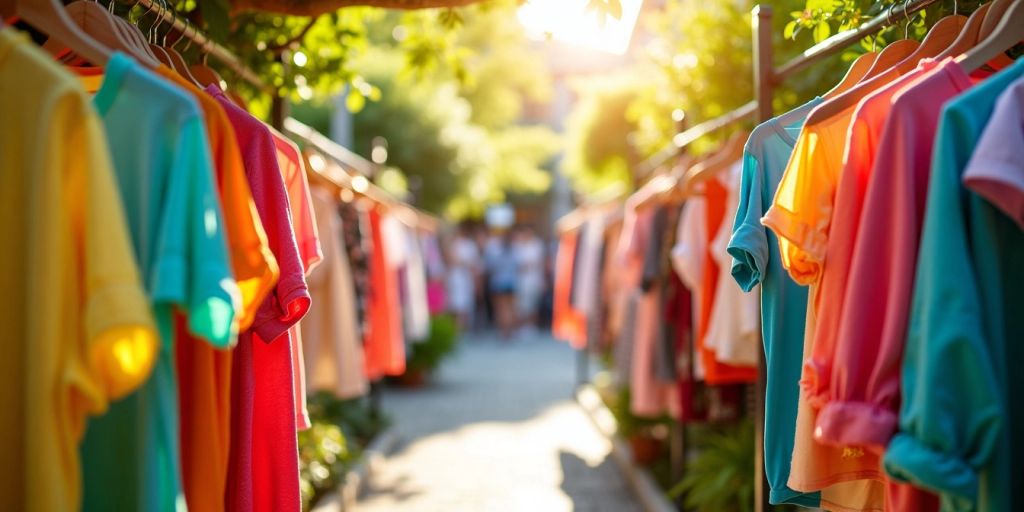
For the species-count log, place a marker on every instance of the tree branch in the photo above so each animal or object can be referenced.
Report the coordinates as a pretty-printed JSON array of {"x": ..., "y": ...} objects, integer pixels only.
[
  {"x": 318, "y": 7},
  {"x": 278, "y": 48}
]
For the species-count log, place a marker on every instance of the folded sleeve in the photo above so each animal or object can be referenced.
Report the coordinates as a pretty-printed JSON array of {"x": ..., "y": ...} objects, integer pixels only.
[{"x": 748, "y": 245}]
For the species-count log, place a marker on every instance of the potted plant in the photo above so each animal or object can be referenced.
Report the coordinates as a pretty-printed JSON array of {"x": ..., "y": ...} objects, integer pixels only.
[
  {"x": 721, "y": 476},
  {"x": 426, "y": 355},
  {"x": 644, "y": 435}
]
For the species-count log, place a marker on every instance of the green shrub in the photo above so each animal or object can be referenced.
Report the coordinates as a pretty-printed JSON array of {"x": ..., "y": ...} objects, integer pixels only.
[
  {"x": 427, "y": 355},
  {"x": 324, "y": 458},
  {"x": 720, "y": 478}
]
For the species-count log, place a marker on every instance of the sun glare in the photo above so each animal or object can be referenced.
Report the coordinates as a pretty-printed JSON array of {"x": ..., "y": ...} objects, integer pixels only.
[{"x": 571, "y": 22}]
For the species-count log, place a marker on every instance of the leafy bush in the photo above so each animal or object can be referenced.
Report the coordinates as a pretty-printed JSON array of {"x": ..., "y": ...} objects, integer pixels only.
[
  {"x": 721, "y": 477},
  {"x": 324, "y": 458},
  {"x": 427, "y": 355}
]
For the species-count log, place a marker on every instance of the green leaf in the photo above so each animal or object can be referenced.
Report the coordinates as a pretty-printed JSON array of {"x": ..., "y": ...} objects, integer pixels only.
[
  {"x": 787, "y": 32},
  {"x": 821, "y": 31}
]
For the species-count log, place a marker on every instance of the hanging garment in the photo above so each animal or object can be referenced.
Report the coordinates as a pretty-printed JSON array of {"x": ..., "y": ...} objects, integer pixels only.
[
  {"x": 385, "y": 351},
  {"x": 70, "y": 258},
  {"x": 415, "y": 306},
  {"x": 307, "y": 238},
  {"x": 358, "y": 247},
  {"x": 166, "y": 179},
  {"x": 334, "y": 346},
  {"x": 734, "y": 326},
  {"x": 264, "y": 452},
  {"x": 433, "y": 260},
  {"x": 757, "y": 261},
  {"x": 960, "y": 419},
  {"x": 686, "y": 256},
  {"x": 567, "y": 324},
  {"x": 800, "y": 215}
]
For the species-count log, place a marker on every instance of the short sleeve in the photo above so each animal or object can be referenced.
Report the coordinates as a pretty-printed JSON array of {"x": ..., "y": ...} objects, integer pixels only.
[
  {"x": 801, "y": 211},
  {"x": 119, "y": 330},
  {"x": 749, "y": 243},
  {"x": 192, "y": 268},
  {"x": 996, "y": 170}
]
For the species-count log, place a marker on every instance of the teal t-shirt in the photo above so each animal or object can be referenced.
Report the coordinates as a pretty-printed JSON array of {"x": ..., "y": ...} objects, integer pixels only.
[
  {"x": 161, "y": 157},
  {"x": 960, "y": 425},
  {"x": 756, "y": 259}
]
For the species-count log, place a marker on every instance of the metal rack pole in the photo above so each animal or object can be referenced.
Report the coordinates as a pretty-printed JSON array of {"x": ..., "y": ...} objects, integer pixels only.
[{"x": 764, "y": 82}]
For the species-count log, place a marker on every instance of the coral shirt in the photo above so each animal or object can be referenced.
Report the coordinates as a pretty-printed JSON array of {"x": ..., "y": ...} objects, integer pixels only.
[
  {"x": 568, "y": 324},
  {"x": 865, "y": 389},
  {"x": 293, "y": 171},
  {"x": 383, "y": 355}
]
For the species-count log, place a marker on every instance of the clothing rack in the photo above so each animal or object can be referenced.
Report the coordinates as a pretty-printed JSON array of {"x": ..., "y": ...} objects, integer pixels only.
[
  {"x": 209, "y": 47},
  {"x": 354, "y": 174},
  {"x": 768, "y": 77}
]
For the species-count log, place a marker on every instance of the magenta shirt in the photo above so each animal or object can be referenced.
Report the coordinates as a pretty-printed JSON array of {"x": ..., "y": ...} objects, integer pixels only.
[{"x": 865, "y": 382}]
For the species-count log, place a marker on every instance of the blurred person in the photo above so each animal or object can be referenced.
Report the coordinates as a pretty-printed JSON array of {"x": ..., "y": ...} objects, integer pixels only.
[
  {"x": 530, "y": 258},
  {"x": 464, "y": 267},
  {"x": 503, "y": 275}
]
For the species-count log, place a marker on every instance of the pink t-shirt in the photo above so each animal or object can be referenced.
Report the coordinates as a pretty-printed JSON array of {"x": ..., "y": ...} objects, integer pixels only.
[
  {"x": 996, "y": 170},
  {"x": 307, "y": 238},
  {"x": 865, "y": 381},
  {"x": 264, "y": 467},
  {"x": 862, "y": 143}
]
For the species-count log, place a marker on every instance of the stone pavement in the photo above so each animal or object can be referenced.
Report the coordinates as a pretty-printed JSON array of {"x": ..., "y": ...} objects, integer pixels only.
[{"x": 497, "y": 431}]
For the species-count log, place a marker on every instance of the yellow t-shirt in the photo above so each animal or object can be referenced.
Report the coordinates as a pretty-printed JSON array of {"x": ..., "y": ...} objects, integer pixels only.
[{"x": 78, "y": 327}]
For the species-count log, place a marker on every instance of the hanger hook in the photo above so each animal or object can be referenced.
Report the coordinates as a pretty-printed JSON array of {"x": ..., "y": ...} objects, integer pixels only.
[
  {"x": 164, "y": 42},
  {"x": 956, "y": 7},
  {"x": 155, "y": 26},
  {"x": 181, "y": 36},
  {"x": 148, "y": 11},
  {"x": 906, "y": 27}
]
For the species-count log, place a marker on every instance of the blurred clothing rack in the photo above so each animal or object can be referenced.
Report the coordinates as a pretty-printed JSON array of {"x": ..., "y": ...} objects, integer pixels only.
[
  {"x": 208, "y": 46},
  {"x": 352, "y": 172}
]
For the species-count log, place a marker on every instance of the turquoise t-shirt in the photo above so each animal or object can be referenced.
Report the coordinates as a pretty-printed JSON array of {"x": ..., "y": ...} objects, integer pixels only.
[
  {"x": 958, "y": 434},
  {"x": 161, "y": 157},
  {"x": 755, "y": 250}
]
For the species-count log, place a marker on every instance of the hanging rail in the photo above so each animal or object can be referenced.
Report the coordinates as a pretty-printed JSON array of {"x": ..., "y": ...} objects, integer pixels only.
[
  {"x": 208, "y": 46},
  {"x": 362, "y": 168}
]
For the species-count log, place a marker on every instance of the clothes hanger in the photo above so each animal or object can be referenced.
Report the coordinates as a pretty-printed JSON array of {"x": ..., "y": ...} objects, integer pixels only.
[
  {"x": 857, "y": 70},
  {"x": 98, "y": 22},
  {"x": 725, "y": 157},
  {"x": 939, "y": 38},
  {"x": 970, "y": 34},
  {"x": 177, "y": 62},
  {"x": 151, "y": 36},
  {"x": 996, "y": 10},
  {"x": 893, "y": 53},
  {"x": 203, "y": 73},
  {"x": 131, "y": 32},
  {"x": 1007, "y": 33},
  {"x": 50, "y": 17}
]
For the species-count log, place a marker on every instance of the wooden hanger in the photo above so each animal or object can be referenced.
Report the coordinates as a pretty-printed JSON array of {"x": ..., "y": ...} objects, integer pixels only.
[
  {"x": 204, "y": 73},
  {"x": 969, "y": 35},
  {"x": 996, "y": 9},
  {"x": 50, "y": 17},
  {"x": 1007, "y": 33},
  {"x": 857, "y": 70},
  {"x": 940, "y": 37},
  {"x": 894, "y": 53},
  {"x": 725, "y": 157},
  {"x": 101, "y": 24}
]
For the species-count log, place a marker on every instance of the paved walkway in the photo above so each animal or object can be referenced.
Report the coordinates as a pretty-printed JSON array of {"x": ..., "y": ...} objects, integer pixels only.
[{"x": 498, "y": 431}]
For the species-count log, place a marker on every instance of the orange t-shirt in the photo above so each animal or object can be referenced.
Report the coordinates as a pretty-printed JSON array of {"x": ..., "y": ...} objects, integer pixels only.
[
  {"x": 204, "y": 373},
  {"x": 568, "y": 324}
]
